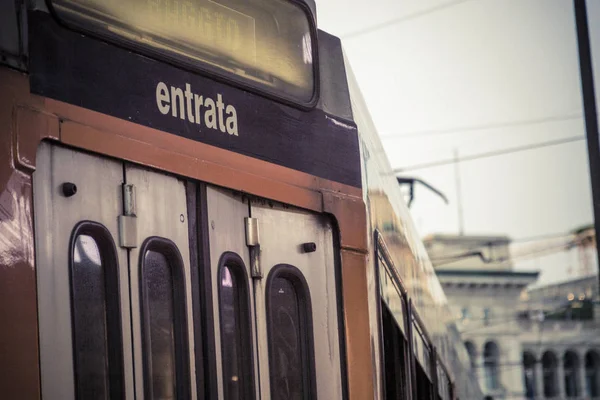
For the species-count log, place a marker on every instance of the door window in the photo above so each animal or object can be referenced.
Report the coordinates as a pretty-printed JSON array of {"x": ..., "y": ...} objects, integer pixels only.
[
  {"x": 98, "y": 359},
  {"x": 290, "y": 335},
  {"x": 165, "y": 323},
  {"x": 236, "y": 339}
]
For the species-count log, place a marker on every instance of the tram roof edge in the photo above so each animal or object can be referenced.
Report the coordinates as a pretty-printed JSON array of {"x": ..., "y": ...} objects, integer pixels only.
[{"x": 334, "y": 92}]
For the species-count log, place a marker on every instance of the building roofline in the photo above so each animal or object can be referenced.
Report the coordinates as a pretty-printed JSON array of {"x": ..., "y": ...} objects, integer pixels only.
[
  {"x": 487, "y": 273},
  {"x": 572, "y": 281},
  {"x": 492, "y": 239}
]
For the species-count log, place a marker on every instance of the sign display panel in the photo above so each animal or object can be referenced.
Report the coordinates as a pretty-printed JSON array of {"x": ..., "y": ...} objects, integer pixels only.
[
  {"x": 267, "y": 45},
  {"x": 67, "y": 66}
]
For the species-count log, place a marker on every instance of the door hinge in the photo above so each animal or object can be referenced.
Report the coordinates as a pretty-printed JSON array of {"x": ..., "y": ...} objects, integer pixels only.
[
  {"x": 253, "y": 243},
  {"x": 128, "y": 221},
  {"x": 252, "y": 237}
]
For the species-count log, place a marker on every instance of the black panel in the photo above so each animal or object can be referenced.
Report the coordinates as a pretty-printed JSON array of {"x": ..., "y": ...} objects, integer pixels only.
[
  {"x": 86, "y": 72},
  {"x": 335, "y": 95}
]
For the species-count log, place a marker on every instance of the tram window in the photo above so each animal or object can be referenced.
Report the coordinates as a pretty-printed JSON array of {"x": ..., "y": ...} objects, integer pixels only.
[
  {"x": 164, "y": 326},
  {"x": 291, "y": 356},
  {"x": 98, "y": 359},
  {"x": 394, "y": 348},
  {"x": 236, "y": 331},
  {"x": 424, "y": 385},
  {"x": 443, "y": 383}
]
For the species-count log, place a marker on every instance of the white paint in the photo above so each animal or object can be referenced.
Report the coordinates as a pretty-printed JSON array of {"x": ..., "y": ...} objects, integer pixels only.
[{"x": 217, "y": 115}]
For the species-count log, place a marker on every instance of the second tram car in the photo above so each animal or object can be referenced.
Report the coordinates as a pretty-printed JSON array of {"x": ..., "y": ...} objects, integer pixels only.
[{"x": 194, "y": 204}]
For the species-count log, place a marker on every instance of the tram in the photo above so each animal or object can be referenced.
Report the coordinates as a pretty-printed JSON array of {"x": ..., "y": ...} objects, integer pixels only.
[{"x": 194, "y": 203}]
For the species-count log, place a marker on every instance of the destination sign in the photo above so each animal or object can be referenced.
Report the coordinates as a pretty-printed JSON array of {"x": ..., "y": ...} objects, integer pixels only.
[
  {"x": 267, "y": 45},
  {"x": 217, "y": 28},
  {"x": 89, "y": 73}
]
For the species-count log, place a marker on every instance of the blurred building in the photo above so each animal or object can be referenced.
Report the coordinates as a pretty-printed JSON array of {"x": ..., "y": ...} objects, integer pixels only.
[
  {"x": 483, "y": 291},
  {"x": 560, "y": 340},
  {"x": 538, "y": 343}
]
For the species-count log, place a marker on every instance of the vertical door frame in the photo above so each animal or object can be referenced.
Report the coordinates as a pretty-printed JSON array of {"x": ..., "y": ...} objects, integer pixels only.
[{"x": 151, "y": 228}]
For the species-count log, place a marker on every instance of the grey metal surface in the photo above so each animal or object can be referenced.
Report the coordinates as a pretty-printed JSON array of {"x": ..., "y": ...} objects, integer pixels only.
[
  {"x": 161, "y": 202},
  {"x": 252, "y": 233},
  {"x": 283, "y": 231},
  {"x": 226, "y": 214},
  {"x": 98, "y": 199},
  {"x": 129, "y": 200},
  {"x": 128, "y": 237}
]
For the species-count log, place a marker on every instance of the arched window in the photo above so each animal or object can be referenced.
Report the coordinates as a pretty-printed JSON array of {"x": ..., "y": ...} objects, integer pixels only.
[
  {"x": 592, "y": 374},
  {"x": 290, "y": 335},
  {"x": 571, "y": 368},
  {"x": 472, "y": 354},
  {"x": 549, "y": 365},
  {"x": 95, "y": 312},
  {"x": 490, "y": 365},
  {"x": 529, "y": 374},
  {"x": 236, "y": 332},
  {"x": 464, "y": 313},
  {"x": 164, "y": 319},
  {"x": 487, "y": 316}
]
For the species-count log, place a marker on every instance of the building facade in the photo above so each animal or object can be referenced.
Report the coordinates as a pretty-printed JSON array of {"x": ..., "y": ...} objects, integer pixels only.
[
  {"x": 539, "y": 343},
  {"x": 560, "y": 340}
]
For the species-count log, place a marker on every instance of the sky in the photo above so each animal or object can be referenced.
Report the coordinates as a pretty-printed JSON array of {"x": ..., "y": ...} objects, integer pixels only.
[{"x": 446, "y": 77}]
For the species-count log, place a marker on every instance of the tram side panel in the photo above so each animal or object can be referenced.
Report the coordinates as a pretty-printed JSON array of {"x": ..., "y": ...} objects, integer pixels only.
[
  {"x": 19, "y": 372},
  {"x": 389, "y": 216}
]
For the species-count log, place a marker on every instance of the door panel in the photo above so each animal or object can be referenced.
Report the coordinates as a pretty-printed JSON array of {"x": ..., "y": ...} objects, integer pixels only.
[
  {"x": 99, "y": 304},
  {"x": 311, "y": 284},
  {"x": 162, "y": 232},
  {"x": 283, "y": 232},
  {"x": 226, "y": 213},
  {"x": 145, "y": 288},
  {"x": 98, "y": 199}
]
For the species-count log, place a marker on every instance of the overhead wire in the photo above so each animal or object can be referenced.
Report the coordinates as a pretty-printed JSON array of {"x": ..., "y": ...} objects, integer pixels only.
[
  {"x": 401, "y": 19},
  {"x": 489, "y": 154},
  {"x": 569, "y": 241},
  {"x": 555, "y": 235},
  {"x": 560, "y": 247},
  {"x": 483, "y": 127}
]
